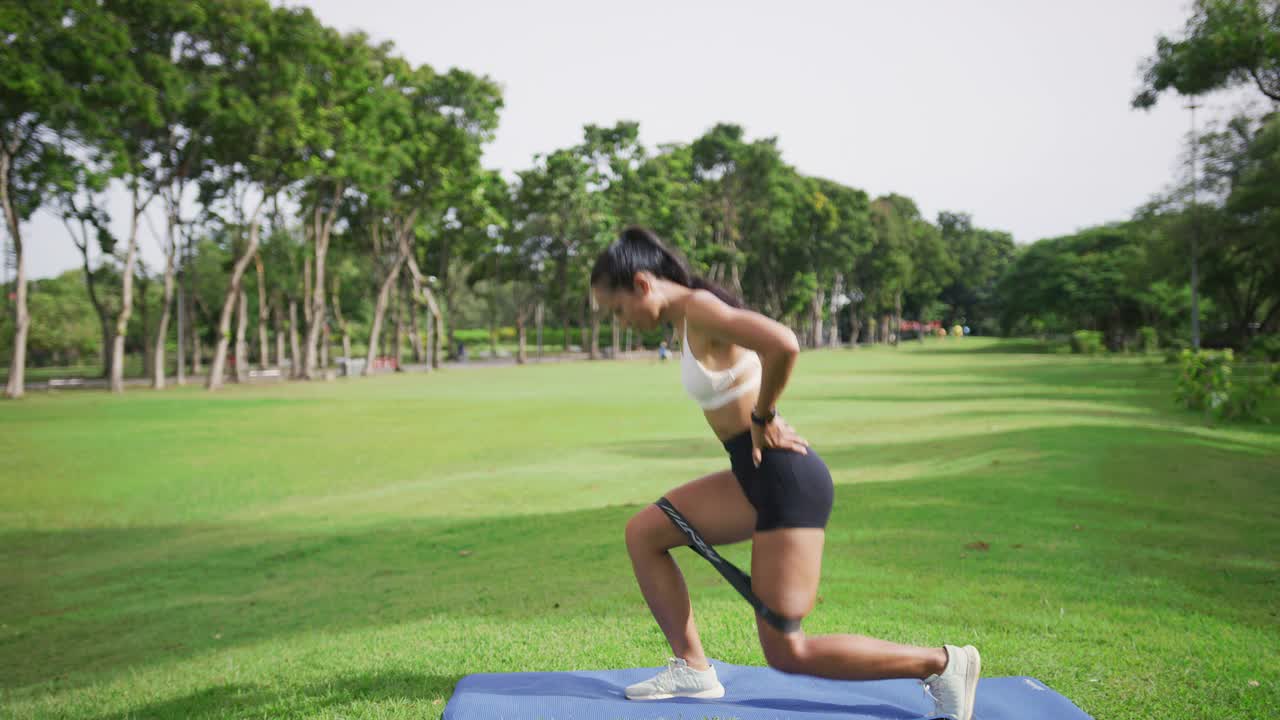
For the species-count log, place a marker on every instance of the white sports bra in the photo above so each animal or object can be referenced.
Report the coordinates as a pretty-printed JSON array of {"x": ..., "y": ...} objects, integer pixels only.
[{"x": 714, "y": 388}]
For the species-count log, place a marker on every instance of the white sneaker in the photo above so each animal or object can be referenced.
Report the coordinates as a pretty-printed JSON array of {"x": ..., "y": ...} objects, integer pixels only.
[
  {"x": 678, "y": 680},
  {"x": 953, "y": 690}
]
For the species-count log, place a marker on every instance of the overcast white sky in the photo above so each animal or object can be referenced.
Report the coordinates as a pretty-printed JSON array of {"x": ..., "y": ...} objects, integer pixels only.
[{"x": 1016, "y": 111}]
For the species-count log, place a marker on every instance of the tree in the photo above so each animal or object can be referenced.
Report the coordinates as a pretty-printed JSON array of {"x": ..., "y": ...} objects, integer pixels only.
[
  {"x": 981, "y": 258},
  {"x": 554, "y": 208},
  {"x": 346, "y": 125},
  {"x": 168, "y": 39},
  {"x": 1226, "y": 43},
  {"x": 78, "y": 202},
  {"x": 1077, "y": 282},
  {"x": 443, "y": 123},
  {"x": 255, "y": 130},
  {"x": 67, "y": 333},
  {"x": 462, "y": 242},
  {"x": 887, "y": 268},
  {"x": 1242, "y": 169},
  {"x": 63, "y": 60},
  {"x": 838, "y": 251}
]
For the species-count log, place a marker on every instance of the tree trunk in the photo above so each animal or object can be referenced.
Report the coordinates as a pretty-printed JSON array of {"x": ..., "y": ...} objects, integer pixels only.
[
  {"x": 180, "y": 375},
  {"x": 322, "y": 227},
  {"x": 399, "y": 334},
  {"x": 617, "y": 337},
  {"x": 897, "y": 317},
  {"x": 148, "y": 352},
  {"x": 816, "y": 315},
  {"x": 278, "y": 315},
  {"x": 431, "y": 354},
  {"x": 324, "y": 351},
  {"x": 180, "y": 367},
  {"x": 126, "y": 301},
  {"x": 18, "y": 360},
  {"x": 197, "y": 350},
  {"x": 186, "y": 308},
  {"x": 493, "y": 332},
  {"x": 833, "y": 309},
  {"x": 264, "y": 315},
  {"x": 342, "y": 322},
  {"x": 308, "y": 308},
  {"x": 104, "y": 316},
  {"x": 420, "y": 289},
  {"x": 595, "y": 337},
  {"x": 435, "y": 333},
  {"x": 521, "y": 355},
  {"x": 218, "y": 367},
  {"x": 242, "y": 348},
  {"x": 21, "y": 320},
  {"x": 306, "y": 291},
  {"x": 380, "y": 309},
  {"x": 295, "y": 343},
  {"x": 538, "y": 318},
  {"x": 415, "y": 336},
  {"x": 170, "y": 271}
]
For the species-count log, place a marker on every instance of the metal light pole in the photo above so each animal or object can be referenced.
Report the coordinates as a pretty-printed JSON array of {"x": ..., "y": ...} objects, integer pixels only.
[{"x": 1195, "y": 235}]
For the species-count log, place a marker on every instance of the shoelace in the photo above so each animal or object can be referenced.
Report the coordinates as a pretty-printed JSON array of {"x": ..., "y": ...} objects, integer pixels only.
[
  {"x": 928, "y": 692},
  {"x": 666, "y": 680}
]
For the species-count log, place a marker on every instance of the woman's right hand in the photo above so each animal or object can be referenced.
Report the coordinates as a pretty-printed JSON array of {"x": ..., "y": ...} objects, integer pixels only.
[{"x": 778, "y": 434}]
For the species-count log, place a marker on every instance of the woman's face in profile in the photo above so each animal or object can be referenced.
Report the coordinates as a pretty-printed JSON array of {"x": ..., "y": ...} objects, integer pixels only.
[{"x": 637, "y": 308}]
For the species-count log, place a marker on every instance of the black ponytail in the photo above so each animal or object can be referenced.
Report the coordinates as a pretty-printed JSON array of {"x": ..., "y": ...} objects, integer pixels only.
[{"x": 638, "y": 249}]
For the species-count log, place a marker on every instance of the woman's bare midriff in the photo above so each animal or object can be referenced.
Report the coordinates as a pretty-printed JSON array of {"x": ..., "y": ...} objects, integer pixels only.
[{"x": 735, "y": 417}]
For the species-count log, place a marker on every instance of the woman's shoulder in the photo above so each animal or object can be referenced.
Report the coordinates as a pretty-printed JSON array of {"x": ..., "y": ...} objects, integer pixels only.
[
  {"x": 724, "y": 325},
  {"x": 704, "y": 305},
  {"x": 704, "y": 313}
]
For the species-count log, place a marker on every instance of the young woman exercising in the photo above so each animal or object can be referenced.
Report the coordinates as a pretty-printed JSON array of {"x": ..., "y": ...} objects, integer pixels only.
[{"x": 777, "y": 492}]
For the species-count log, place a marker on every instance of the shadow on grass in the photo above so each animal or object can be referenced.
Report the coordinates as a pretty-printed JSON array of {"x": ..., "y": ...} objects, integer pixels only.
[
  {"x": 87, "y": 603},
  {"x": 249, "y": 700}
]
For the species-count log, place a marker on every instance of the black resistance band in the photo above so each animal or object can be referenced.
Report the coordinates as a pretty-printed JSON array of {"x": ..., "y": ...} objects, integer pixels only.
[{"x": 738, "y": 579}]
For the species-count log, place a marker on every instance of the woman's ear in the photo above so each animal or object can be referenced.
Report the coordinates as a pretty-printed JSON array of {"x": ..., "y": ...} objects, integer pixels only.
[{"x": 643, "y": 282}]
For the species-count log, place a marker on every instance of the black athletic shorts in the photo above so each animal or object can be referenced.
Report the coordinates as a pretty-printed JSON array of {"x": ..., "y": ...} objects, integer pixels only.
[{"x": 788, "y": 490}]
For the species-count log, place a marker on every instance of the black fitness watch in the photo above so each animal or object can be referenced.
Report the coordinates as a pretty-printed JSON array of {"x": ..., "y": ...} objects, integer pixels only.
[{"x": 768, "y": 418}]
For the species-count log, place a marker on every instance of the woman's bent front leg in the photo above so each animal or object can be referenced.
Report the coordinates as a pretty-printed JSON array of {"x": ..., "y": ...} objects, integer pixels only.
[{"x": 716, "y": 506}]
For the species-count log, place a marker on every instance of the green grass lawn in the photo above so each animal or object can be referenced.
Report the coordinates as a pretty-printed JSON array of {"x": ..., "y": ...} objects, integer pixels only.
[{"x": 351, "y": 549}]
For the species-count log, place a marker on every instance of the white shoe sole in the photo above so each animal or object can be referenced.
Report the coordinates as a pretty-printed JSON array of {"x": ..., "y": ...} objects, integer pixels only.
[
  {"x": 971, "y": 685},
  {"x": 716, "y": 692}
]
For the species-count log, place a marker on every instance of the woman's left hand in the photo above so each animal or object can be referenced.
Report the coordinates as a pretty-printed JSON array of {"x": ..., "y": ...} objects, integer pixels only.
[{"x": 777, "y": 434}]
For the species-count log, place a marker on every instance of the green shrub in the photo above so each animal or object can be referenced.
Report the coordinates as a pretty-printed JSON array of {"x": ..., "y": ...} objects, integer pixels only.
[
  {"x": 1086, "y": 342},
  {"x": 1148, "y": 339},
  {"x": 1173, "y": 353},
  {"x": 1265, "y": 348},
  {"x": 1207, "y": 382}
]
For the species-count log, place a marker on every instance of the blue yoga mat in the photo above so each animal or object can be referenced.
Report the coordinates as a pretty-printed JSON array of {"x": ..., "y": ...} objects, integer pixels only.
[{"x": 751, "y": 693}]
